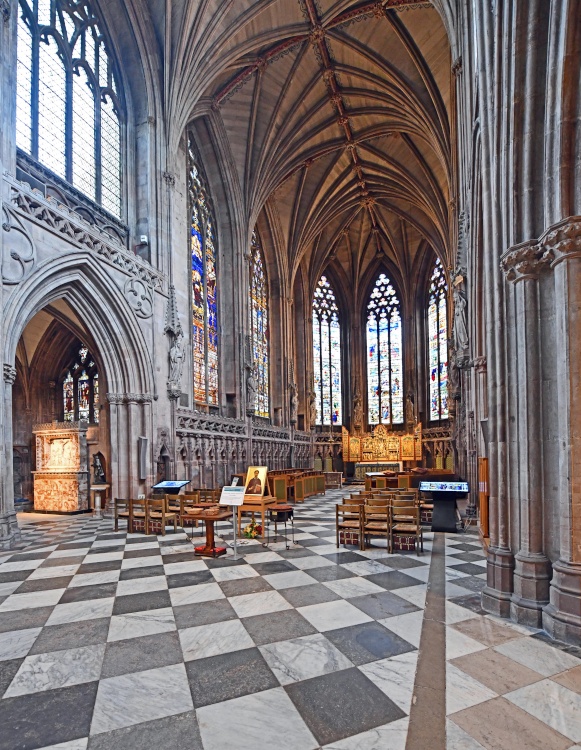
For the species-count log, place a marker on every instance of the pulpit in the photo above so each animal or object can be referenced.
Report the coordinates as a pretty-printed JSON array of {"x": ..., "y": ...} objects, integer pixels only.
[{"x": 61, "y": 479}]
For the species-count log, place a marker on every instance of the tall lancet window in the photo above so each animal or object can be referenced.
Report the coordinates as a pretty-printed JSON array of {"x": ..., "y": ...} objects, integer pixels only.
[
  {"x": 327, "y": 354},
  {"x": 80, "y": 389},
  {"x": 438, "y": 343},
  {"x": 68, "y": 108},
  {"x": 204, "y": 300},
  {"x": 384, "y": 355},
  {"x": 259, "y": 325}
]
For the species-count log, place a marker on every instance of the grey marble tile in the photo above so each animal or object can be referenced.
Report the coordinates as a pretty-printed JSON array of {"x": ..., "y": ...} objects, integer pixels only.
[
  {"x": 245, "y": 586},
  {"x": 204, "y": 592},
  {"x": 290, "y": 579},
  {"x": 391, "y": 736},
  {"x": 28, "y": 618},
  {"x": 317, "y": 700},
  {"x": 277, "y": 626},
  {"x": 77, "y": 611},
  {"x": 140, "y": 654},
  {"x": 142, "y": 696},
  {"x": 203, "y": 613},
  {"x": 330, "y": 573},
  {"x": 141, "y": 602},
  {"x": 17, "y": 643},
  {"x": 552, "y": 703},
  {"x": 384, "y": 604},
  {"x": 57, "y": 669},
  {"x": 8, "y": 670},
  {"x": 330, "y": 615},
  {"x": 94, "y": 579},
  {"x": 84, "y": 593},
  {"x": 538, "y": 656},
  {"x": 349, "y": 588},
  {"x": 32, "y": 600},
  {"x": 367, "y": 642},
  {"x": 71, "y": 635},
  {"x": 239, "y": 723},
  {"x": 261, "y": 603},
  {"x": 43, "y": 584},
  {"x": 179, "y": 732},
  {"x": 303, "y": 596},
  {"x": 211, "y": 640},
  {"x": 303, "y": 658}
]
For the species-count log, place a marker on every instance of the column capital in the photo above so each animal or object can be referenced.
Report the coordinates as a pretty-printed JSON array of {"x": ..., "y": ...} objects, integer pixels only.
[
  {"x": 563, "y": 240},
  {"x": 9, "y": 374},
  {"x": 526, "y": 260}
]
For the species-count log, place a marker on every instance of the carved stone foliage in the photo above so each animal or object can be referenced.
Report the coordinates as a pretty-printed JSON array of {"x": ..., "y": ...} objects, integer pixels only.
[
  {"x": 18, "y": 252},
  {"x": 9, "y": 374},
  {"x": 58, "y": 219},
  {"x": 196, "y": 422}
]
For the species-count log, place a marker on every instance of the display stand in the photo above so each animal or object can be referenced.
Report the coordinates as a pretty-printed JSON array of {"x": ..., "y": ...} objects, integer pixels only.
[
  {"x": 98, "y": 490},
  {"x": 233, "y": 496},
  {"x": 444, "y": 496},
  {"x": 253, "y": 504}
]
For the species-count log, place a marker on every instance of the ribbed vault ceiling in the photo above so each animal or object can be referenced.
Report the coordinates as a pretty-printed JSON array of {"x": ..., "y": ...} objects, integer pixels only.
[{"x": 337, "y": 117}]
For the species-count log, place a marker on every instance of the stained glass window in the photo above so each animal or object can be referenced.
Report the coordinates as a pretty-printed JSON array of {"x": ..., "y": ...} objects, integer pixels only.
[
  {"x": 438, "y": 343},
  {"x": 384, "y": 355},
  {"x": 204, "y": 283},
  {"x": 259, "y": 325},
  {"x": 80, "y": 389},
  {"x": 327, "y": 354},
  {"x": 68, "y": 113}
]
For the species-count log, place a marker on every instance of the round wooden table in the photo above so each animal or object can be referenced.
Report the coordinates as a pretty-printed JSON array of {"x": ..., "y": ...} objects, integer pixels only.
[{"x": 210, "y": 549}]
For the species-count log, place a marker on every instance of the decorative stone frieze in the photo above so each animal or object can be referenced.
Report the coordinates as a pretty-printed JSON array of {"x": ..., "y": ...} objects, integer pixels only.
[
  {"x": 129, "y": 398},
  {"x": 563, "y": 240},
  {"x": 18, "y": 251},
  {"x": 9, "y": 374},
  {"x": 526, "y": 261}
]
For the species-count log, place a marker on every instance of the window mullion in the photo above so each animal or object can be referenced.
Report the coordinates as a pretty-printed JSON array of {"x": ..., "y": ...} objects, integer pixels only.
[
  {"x": 69, "y": 156},
  {"x": 389, "y": 369},
  {"x": 98, "y": 147}
]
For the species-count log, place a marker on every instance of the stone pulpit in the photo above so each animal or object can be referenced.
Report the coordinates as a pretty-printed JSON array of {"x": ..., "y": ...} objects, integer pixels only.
[{"x": 61, "y": 479}]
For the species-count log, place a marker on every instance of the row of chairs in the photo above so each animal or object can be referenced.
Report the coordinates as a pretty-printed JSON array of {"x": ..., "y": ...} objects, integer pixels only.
[
  {"x": 385, "y": 516},
  {"x": 150, "y": 514}
]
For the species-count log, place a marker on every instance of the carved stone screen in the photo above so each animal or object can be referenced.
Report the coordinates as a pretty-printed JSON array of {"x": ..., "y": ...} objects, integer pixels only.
[{"x": 61, "y": 476}]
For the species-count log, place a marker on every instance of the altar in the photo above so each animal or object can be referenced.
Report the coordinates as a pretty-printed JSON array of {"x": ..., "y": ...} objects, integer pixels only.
[
  {"x": 61, "y": 479},
  {"x": 361, "y": 469},
  {"x": 382, "y": 447}
]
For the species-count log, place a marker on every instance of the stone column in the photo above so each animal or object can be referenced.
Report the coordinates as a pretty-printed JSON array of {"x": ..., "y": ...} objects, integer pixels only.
[
  {"x": 562, "y": 616},
  {"x": 522, "y": 265},
  {"x": 9, "y": 531}
]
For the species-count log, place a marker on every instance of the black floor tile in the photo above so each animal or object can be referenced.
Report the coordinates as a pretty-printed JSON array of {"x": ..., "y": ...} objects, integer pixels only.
[
  {"x": 303, "y": 596},
  {"x": 331, "y": 573},
  {"x": 368, "y": 642},
  {"x": 471, "y": 602},
  {"x": 84, "y": 593},
  {"x": 467, "y": 567},
  {"x": 43, "y": 584},
  {"x": 400, "y": 562},
  {"x": 24, "y": 618},
  {"x": 276, "y": 566},
  {"x": 47, "y": 718},
  {"x": 14, "y": 575},
  {"x": 179, "y": 557},
  {"x": 141, "y": 602},
  {"x": 227, "y": 562},
  {"x": 38, "y": 555},
  {"x": 322, "y": 702},
  {"x": 394, "y": 579},
  {"x": 148, "y": 571},
  {"x": 8, "y": 670},
  {"x": 71, "y": 635},
  {"x": 383, "y": 605},
  {"x": 132, "y": 553},
  {"x": 466, "y": 557},
  {"x": 277, "y": 626},
  {"x": 178, "y": 580},
  {"x": 139, "y": 654},
  {"x": 245, "y": 586},
  {"x": 342, "y": 558},
  {"x": 314, "y": 542},
  {"x": 288, "y": 554},
  {"x": 57, "y": 562},
  {"x": 204, "y": 613},
  {"x": 99, "y": 567},
  {"x": 471, "y": 583},
  {"x": 178, "y": 732},
  {"x": 221, "y": 678}
]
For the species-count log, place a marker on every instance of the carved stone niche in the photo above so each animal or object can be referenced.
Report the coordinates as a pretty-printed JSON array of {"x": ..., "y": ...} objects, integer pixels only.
[{"x": 61, "y": 479}]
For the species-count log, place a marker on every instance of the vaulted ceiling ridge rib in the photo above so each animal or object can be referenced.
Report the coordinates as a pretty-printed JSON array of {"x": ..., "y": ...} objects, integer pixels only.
[{"x": 359, "y": 12}]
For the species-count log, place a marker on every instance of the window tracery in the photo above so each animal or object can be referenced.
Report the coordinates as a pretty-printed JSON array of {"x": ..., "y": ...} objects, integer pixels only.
[
  {"x": 259, "y": 326},
  {"x": 204, "y": 283},
  {"x": 438, "y": 343},
  {"x": 384, "y": 355},
  {"x": 80, "y": 389},
  {"x": 68, "y": 111},
  {"x": 327, "y": 354}
]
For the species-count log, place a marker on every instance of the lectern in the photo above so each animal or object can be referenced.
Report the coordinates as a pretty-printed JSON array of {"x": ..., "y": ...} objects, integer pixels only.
[{"x": 444, "y": 496}]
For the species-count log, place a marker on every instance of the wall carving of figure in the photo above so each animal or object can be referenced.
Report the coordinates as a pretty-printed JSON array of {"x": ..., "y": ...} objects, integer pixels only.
[
  {"x": 176, "y": 364},
  {"x": 460, "y": 324},
  {"x": 294, "y": 403},
  {"x": 357, "y": 409},
  {"x": 313, "y": 409},
  {"x": 410, "y": 416},
  {"x": 251, "y": 391}
]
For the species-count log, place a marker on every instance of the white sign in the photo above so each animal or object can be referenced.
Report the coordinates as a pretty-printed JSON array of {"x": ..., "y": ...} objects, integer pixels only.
[{"x": 232, "y": 495}]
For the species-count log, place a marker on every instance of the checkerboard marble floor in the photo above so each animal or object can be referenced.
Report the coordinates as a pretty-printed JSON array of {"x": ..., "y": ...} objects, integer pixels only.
[{"x": 116, "y": 640}]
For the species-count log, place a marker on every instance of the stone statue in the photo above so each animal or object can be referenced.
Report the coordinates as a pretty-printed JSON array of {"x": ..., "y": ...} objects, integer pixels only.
[
  {"x": 313, "y": 408},
  {"x": 98, "y": 471},
  {"x": 460, "y": 326},
  {"x": 176, "y": 360},
  {"x": 251, "y": 391},
  {"x": 294, "y": 403},
  {"x": 357, "y": 408},
  {"x": 410, "y": 417}
]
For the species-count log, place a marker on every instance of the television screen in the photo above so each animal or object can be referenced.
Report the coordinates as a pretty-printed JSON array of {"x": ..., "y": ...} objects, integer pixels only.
[
  {"x": 444, "y": 487},
  {"x": 171, "y": 484}
]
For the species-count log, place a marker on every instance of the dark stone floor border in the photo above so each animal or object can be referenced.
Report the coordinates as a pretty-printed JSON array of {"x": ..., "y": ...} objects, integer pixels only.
[{"x": 427, "y": 727}]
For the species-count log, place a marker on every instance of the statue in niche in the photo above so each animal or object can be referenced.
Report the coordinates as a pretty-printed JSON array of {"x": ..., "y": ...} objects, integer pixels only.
[
  {"x": 176, "y": 360},
  {"x": 410, "y": 416},
  {"x": 357, "y": 408},
  {"x": 460, "y": 326},
  {"x": 98, "y": 471},
  {"x": 313, "y": 408},
  {"x": 294, "y": 403},
  {"x": 251, "y": 391}
]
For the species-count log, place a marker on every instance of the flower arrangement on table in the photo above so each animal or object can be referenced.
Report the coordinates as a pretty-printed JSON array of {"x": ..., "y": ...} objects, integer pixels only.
[{"x": 252, "y": 530}]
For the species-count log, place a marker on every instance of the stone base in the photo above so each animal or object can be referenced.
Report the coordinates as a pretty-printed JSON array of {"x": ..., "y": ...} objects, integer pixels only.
[
  {"x": 531, "y": 589},
  {"x": 9, "y": 531},
  {"x": 497, "y": 595},
  {"x": 562, "y": 616},
  {"x": 61, "y": 492}
]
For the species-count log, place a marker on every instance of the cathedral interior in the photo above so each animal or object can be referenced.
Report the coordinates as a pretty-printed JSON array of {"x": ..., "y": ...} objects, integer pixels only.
[{"x": 337, "y": 239}]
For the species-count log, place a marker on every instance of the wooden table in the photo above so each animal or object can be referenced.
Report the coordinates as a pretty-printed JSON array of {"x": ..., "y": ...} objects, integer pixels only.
[
  {"x": 253, "y": 504},
  {"x": 210, "y": 549}
]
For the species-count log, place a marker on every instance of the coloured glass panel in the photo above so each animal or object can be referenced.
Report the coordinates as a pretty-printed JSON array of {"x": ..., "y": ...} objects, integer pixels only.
[
  {"x": 327, "y": 355},
  {"x": 204, "y": 286},
  {"x": 69, "y": 397},
  {"x": 84, "y": 396},
  {"x": 259, "y": 326},
  {"x": 67, "y": 111},
  {"x": 384, "y": 355},
  {"x": 438, "y": 344},
  {"x": 80, "y": 389}
]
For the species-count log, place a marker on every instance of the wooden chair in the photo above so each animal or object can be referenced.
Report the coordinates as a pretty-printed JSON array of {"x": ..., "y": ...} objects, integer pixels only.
[
  {"x": 156, "y": 512},
  {"x": 405, "y": 520},
  {"x": 375, "y": 521},
  {"x": 121, "y": 510},
  {"x": 348, "y": 518},
  {"x": 137, "y": 513}
]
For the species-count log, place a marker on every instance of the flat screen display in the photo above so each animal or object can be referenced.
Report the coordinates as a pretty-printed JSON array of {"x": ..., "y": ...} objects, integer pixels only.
[
  {"x": 444, "y": 487},
  {"x": 171, "y": 484}
]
